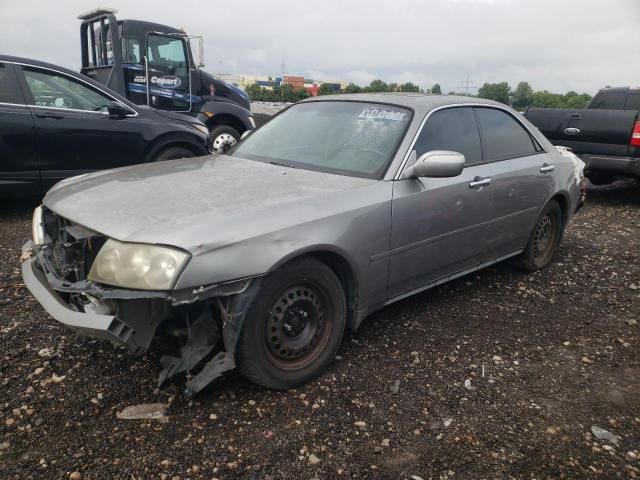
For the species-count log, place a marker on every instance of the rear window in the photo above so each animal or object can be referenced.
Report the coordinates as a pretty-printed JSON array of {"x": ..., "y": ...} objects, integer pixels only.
[
  {"x": 633, "y": 102},
  {"x": 503, "y": 136},
  {"x": 8, "y": 88},
  {"x": 609, "y": 101}
]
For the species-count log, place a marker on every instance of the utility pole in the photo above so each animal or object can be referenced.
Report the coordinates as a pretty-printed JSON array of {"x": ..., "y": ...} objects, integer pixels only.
[
  {"x": 282, "y": 82},
  {"x": 466, "y": 85}
]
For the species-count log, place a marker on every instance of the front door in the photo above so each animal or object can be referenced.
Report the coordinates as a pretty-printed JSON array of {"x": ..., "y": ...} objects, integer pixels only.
[
  {"x": 19, "y": 169},
  {"x": 74, "y": 131},
  {"x": 439, "y": 224},
  {"x": 168, "y": 80}
]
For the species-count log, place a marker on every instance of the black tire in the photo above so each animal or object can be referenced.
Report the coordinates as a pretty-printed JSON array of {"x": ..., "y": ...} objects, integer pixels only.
[
  {"x": 544, "y": 239},
  {"x": 294, "y": 326},
  {"x": 220, "y": 138},
  {"x": 172, "y": 153}
]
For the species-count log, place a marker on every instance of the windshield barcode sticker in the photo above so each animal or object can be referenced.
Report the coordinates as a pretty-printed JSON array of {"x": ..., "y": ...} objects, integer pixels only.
[{"x": 381, "y": 114}]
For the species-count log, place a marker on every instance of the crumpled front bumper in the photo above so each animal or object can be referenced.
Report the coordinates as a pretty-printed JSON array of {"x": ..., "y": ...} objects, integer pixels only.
[{"x": 108, "y": 327}]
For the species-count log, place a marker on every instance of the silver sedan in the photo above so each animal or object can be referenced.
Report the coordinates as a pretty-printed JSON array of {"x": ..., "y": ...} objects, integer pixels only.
[{"x": 261, "y": 258}]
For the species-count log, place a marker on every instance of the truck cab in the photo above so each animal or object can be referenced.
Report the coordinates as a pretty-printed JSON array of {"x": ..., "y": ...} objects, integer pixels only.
[{"x": 153, "y": 64}]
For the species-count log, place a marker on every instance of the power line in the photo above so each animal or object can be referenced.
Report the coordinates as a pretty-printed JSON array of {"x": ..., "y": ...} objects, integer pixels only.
[{"x": 466, "y": 85}]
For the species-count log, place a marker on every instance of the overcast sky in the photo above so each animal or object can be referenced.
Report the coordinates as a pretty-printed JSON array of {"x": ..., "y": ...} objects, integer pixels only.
[{"x": 557, "y": 45}]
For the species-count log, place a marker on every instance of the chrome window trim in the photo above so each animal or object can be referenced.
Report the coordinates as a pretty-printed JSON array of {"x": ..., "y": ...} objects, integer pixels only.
[
  {"x": 23, "y": 105},
  {"x": 78, "y": 80},
  {"x": 403, "y": 165}
]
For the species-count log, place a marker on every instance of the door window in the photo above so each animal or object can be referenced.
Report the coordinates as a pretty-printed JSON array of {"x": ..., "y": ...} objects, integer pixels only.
[
  {"x": 503, "y": 136},
  {"x": 453, "y": 129},
  {"x": 50, "y": 89},
  {"x": 8, "y": 88},
  {"x": 130, "y": 50}
]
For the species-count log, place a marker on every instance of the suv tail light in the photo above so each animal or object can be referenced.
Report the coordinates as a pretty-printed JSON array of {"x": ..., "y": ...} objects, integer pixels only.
[{"x": 635, "y": 136}]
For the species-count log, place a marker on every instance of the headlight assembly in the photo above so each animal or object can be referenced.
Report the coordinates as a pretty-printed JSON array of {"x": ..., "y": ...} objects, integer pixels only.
[
  {"x": 37, "y": 227},
  {"x": 202, "y": 128},
  {"x": 137, "y": 265}
]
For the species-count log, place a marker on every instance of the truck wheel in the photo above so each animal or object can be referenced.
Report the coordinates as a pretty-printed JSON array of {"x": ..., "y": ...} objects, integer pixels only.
[
  {"x": 173, "y": 153},
  {"x": 544, "y": 239},
  {"x": 223, "y": 137},
  {"x": 294, "y": 326}
]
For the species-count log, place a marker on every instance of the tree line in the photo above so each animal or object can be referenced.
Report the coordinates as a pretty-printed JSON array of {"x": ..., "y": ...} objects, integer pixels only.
[{"x": 520, "y": 98}]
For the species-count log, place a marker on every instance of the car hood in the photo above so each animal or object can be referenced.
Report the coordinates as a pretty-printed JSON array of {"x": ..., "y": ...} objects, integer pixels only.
[{"x": 196, "y": 203}]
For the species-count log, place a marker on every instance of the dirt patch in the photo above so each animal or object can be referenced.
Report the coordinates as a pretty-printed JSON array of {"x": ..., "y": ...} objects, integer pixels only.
[{"x": 496, "y": 375}]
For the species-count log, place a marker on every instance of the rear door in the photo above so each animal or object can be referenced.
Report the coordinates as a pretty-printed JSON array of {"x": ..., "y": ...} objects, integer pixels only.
[
  {"x": 522, "y": 180},
  {"x": 75, "y": 133},
  {"x": 439, "y": 224},
  {"x": 19, "y": 169}
]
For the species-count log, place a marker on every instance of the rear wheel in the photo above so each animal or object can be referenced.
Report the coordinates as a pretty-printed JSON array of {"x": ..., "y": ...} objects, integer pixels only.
[
  {"x": 223, "y": 137},
  {"x": 544, "y": 239},
  {"x": 173, "y": 153},
  {"x": 294, "y": 326}
]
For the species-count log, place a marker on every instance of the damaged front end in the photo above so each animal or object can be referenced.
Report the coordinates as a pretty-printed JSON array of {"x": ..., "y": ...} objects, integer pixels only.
[{"x": 206, "y": 321}]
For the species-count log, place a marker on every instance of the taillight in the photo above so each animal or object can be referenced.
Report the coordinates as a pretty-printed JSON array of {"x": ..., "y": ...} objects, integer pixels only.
[{"x": 635, "y": 136}]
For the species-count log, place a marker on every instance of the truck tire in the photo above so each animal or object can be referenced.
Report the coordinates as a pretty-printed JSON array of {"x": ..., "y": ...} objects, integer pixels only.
[
  {"x": 172, "y": 153},
  {"x": 294, "y": 326},
  {"x": 544, "y": 239},
  {"x": 223, "y": 137}
]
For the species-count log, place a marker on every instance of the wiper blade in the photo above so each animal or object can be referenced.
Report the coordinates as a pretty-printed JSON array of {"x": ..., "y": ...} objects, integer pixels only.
[{"x": 280, "y": 164}]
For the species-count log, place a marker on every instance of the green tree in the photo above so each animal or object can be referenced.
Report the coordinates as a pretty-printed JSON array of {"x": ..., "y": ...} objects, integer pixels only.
[
  {"x": 499, "y": 92},
  {"x": 547, "y": 99},
  {"x": 436, "y": 90},
  {"x": 576, "y": 100},
  {"x": 326, "y": 89},
  {"x": 353, "y": 88},
  {"x": 409, "y": 87},
  {"x": 377, "y": 86},
  {"x": 522, "y": 96}
]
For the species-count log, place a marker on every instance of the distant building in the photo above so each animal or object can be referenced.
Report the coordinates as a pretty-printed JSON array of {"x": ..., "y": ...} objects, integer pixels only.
[{"x": 243, "y": 80}]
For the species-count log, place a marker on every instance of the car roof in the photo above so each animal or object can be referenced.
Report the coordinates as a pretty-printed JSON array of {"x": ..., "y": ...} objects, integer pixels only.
[
  {"x": 38, "y": 63},
  {"x": 419, "y": 102}
]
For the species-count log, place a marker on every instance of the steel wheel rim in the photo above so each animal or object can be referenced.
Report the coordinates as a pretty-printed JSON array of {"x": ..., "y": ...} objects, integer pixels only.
[
  {"x": 223, "y": 142},
  {"x": 298, "y": 326},
  {"x": 543, "y": 238}
]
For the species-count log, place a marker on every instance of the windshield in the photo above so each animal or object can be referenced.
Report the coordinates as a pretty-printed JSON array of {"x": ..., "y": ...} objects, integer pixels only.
[{"x": 348, "y": 138}]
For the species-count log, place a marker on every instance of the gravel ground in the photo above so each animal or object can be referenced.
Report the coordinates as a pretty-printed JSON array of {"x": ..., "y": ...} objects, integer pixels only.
[{"x": 496, "y": 375}]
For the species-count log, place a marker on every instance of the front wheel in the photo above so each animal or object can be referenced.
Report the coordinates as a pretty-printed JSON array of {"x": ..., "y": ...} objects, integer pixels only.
[
  {"x": 544, "y": 239},
  {"x": 223, "y": 137},
  {"x": 294, "y": 327}
]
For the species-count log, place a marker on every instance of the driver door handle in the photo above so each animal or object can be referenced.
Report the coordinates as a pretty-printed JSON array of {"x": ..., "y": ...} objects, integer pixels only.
[
  {"x": 480, "y": 182},
  {"x": 49, "y": 115},
  {"x": 545, "y": 168}
]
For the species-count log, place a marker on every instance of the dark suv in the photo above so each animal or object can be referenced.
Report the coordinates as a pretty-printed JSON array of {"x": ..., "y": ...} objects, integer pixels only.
[{"x": 55, "y": 123}]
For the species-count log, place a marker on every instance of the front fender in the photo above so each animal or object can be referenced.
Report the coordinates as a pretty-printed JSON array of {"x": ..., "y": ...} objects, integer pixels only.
[
  {"x": 225, "y": 108},
  {"x": 197, "y": 144}
]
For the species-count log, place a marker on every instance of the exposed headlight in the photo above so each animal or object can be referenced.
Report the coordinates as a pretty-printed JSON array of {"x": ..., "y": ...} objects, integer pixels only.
[
  {"x": 202, "y": 128},
  {"x": 136, "y": 265},
  {"x": 37, "y": 227}
]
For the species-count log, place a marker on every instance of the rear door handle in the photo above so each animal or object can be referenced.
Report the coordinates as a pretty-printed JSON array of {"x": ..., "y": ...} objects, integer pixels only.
[
  {"x": 49, "y": 115},
  {"x": 547, "y": 168},
  {"x": 480, "y": 182}
]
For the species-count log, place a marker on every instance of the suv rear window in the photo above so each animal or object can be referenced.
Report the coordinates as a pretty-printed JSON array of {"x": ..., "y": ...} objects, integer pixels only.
[{"x": 609, "y": 101}]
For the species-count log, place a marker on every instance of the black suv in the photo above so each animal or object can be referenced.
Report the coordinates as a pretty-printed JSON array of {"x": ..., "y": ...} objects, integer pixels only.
[{"x": 55, "y": 123}]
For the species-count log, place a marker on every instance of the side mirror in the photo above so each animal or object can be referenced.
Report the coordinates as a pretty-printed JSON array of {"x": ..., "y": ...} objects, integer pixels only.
[
  {"x": 246, "y": 133},
  {"x": 117, "y": 110},
  {"x": 436, "y": 164}
]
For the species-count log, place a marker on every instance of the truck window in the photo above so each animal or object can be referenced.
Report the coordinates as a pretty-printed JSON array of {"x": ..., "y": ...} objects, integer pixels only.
[
  {"x": 503, "y": 136},
  {"x": 633, "y": 102},
  {"x": 130, "y": 50},
  {"x": 609, "y": 101},
  {"x": 50, "y": 89}
]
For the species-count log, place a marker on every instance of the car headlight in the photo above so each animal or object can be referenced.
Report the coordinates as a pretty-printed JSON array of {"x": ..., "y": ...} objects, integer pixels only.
[
  {"x": 202, "y": 128},
  {"x": 37, "y": 227},
  {"x": 137, "y": 265}
]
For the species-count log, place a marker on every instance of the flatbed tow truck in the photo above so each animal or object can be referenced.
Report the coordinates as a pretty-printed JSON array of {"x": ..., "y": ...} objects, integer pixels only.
[{"x": 152, "y": 64}]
